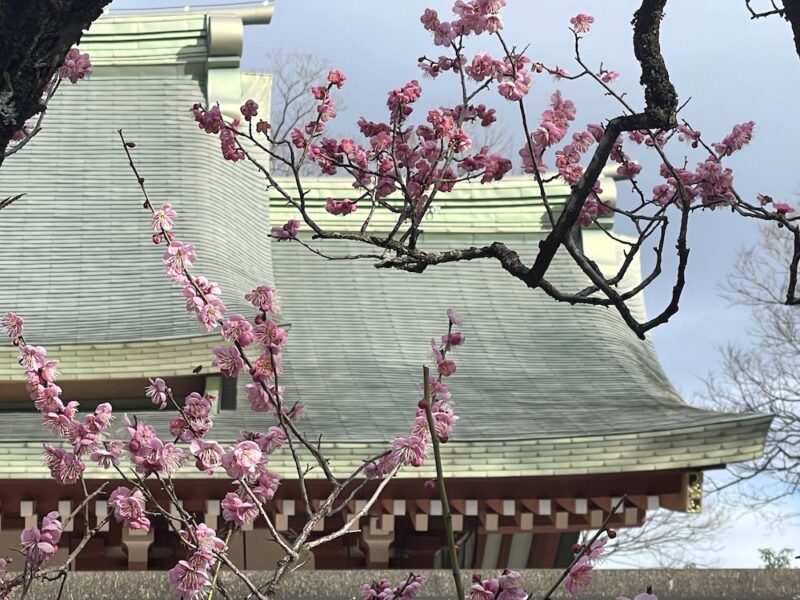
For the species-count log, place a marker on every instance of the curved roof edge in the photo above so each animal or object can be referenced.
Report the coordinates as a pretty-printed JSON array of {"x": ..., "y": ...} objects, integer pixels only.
[
  {"x": 114, "y": 360},
  {"x": 735, "y": 439}
]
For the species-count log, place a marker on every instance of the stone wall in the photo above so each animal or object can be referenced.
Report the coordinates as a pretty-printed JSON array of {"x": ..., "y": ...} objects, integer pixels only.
[{"x": 700, "y": 584}]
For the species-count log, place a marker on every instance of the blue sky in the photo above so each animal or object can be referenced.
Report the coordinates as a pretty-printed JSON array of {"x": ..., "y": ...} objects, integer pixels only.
[{"x": 733, "y": 69}]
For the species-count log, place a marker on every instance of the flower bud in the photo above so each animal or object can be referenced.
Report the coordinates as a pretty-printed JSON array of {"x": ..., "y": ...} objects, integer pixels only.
[
  {"x": 612, "y": 533},
  {"x": 156, "y": 238}
]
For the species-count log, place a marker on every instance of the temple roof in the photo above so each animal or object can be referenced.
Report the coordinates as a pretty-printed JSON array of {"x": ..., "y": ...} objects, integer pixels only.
[{"x": 542, "y": 388}]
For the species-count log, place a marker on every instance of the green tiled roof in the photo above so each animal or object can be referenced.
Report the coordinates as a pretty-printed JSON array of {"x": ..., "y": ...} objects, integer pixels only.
[
  {"x": 542, "y": 388},
  {"x": 77, "y": 260}
]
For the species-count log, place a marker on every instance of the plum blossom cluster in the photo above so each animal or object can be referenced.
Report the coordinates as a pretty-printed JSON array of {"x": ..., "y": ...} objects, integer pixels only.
[
  {"x": 710, "y": 181},
  {"x": 780, "y": 208},
  {"x": 413, "y": 449},
  {"x": 191, "y": 577},
  {"x": 580, "y": 572},
  {"x": 287, "y": 231},
  {"x": 211, "y": 121},
  {"x": 202, "y": 296},
  {"x": 506, "y": 587},
  {"x": 246, "y": 463},
  {"x": 340, "y": 207},
  {"x": 512, "y": 73},
  {"x": 129, "y": 508},
  {"x": 383, "y": 589},
  {"x": 417, "y": 161},
  {"x": 76, "y": 66},
  {"x": 553, "y": 128},
  {"x": 83, "y": 437},
  {"x": 39, "y": 544}
]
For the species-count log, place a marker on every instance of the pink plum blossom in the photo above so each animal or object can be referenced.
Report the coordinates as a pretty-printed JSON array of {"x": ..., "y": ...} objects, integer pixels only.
[
  {"x": 65, "y": 467},
  {"x": 740, "y": 136},
  {"x": 228, "y": 360},
  {"x": 269, "y": 335},
  {"x": 188, "y": 580},
  {"x": 178, "y": 257},
  {"x": 271, "y": 440},
  {"x": 410, "y": 451},
  {"x": 581, "y": 23},
  {"x": 209, "y": 120},
  {"x": 579, "y": 576},
  {"x": 266, "y": 485},
  {"x": 238, "y": 329},
  {"x": 384, "y": 590},
  {"x": 454, "y": 317},
  {"x": 515, "y": 88},
  {"x": 76, "y": 66},
  {"x": 287, "y": 231},
  {"x": 264, "y": 297},
  {"x": 242, "y": 460},
  {"x": 158, "y": 392},
  {"x": 687, "y": 134},
  {"x": 380, "y": 467},
  {"x": 609, "y": 76},
  {"x": 205, "y": 539},
  {"x": 32, "y": 358},
  {"x": 336, "y": 77},
  {"x": 41, "y": 544},
  {"x": 154, "y": 456},
  {"x": 163, "y": 218},
  {"x": 340, "y": 207},
  {"x": 238, "y": 511},
  {"x": 208, "y": 455},
  {"x": 129, "y": 508},
  {"x": 249, "y": 109},
  {"x": 108, "y": 455},
  {"x": 12, "y": 324},
  {"x": 596, "y": 549},
  {"x": 259, "y": 398},
  {"x": 452, "y": 340}
]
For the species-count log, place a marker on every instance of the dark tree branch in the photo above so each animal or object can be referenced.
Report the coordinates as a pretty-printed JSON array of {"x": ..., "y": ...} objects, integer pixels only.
[
  {"x": 660, "y": 113},
  {"x": 35, "y": 35}
]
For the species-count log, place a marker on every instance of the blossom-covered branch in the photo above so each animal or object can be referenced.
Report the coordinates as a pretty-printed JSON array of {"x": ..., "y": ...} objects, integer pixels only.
[{"x": 402, "y": 169}]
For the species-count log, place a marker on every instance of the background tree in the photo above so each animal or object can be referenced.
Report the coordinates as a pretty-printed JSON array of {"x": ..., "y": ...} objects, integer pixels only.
[
  {"x": 774, "y": 559},
  {"x": 293, "y": 74},
  {"x": 764, "y": 375},
  {"x": 671, "y": 540}
]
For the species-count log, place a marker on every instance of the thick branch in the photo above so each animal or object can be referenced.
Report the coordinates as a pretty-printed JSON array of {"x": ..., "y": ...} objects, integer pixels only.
[
  {"x": 659, "y": 113},
  {"x": 791, "y": 12},
  {"x": 35, "y": 35}
]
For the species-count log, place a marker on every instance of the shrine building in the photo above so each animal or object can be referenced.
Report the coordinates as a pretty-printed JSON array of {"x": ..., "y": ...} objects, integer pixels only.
[{"x": 563, "y": 411}]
